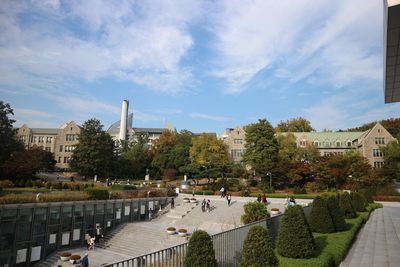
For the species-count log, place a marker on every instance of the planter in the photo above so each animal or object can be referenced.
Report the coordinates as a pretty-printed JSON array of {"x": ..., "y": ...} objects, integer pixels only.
[
  {"x": 171, "y": 230},
  {"x": 186, "y": 200},
  {"x": 182, "y": 232},
  {"x": 74, "y": 258},
  {"x": 275, "y": 211},
  {"x": 65, "y": 256},
  {"x": 193, "y": 200}
]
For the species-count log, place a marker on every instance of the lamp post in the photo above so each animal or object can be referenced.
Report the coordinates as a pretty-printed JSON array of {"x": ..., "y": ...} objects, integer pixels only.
[{"x": 270, "y": 179}]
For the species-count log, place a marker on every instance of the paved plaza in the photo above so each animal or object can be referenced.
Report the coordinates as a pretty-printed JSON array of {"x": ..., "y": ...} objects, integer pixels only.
[{"x": 138, "y": 238}]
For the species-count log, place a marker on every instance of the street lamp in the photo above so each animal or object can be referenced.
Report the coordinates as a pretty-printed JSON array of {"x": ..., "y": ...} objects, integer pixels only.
[{"x": 270, "y": 179}]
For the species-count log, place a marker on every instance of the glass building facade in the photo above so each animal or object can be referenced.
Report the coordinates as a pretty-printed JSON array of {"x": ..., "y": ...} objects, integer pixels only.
[{"x": 31, "y": 232}]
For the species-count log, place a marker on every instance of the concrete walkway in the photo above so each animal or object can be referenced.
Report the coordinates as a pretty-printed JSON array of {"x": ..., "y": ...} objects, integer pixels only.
[
  {"x": 378, "y": 242},
  {"x": 139, "y": 238}
]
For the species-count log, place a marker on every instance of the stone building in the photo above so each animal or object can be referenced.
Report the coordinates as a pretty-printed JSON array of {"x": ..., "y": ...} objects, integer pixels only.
[{"x": 368, "y": 143}]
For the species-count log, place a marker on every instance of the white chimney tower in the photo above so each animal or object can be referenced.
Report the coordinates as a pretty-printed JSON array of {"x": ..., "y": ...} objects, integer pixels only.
[{"x": 124, "y": 120}]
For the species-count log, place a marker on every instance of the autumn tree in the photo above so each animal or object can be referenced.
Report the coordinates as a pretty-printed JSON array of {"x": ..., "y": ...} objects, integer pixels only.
[
  {"x": 94, "y": 154},
  {"x": 391, "y": 155},
  {"x": 295, "y": 125},
  {"x": 208, "y": 152},
  {"x": 262, "y": 148},
  {"x": 26, "y": 163}
]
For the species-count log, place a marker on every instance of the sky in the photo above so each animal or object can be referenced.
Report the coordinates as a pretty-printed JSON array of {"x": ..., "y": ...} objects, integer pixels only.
[{"x": 199, "y": 65}]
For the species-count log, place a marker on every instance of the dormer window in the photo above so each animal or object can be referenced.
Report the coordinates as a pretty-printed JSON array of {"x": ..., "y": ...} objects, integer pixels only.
[
  {"x": 316, "y": 143},
  {"x": 348, "y": 143}
]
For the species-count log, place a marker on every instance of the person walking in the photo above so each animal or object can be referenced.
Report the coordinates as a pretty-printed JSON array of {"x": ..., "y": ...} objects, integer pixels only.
[
  {"x": 99, "y": 233},
  {"x": 208, "y": 205},
  {"x": 172, "y": 203},
  {"x": 229, "y": 197},
  {"x": 203, "y": 205},
  {"x": 263, "y": 199}
]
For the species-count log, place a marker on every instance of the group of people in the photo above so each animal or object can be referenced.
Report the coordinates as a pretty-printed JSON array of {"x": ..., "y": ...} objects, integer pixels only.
[
  {"x": 206, "y": 205},
  {"x": 225, "y": 194},
  {"x": 94, "y": 237},
  {"x": 263, "y": 199}
]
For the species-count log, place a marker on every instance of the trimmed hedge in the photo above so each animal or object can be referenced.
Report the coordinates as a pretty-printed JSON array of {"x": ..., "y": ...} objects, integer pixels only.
[
  {"x": 346, "y": 206},
  {"x": 331, "y": 248},
  {"x": 295, "y": 239},
  {"x": 97, "y": 193},
  {"x": 336, "y": 213},
  {"x": 200, "y": 251},
  {"x": 358, "y": 201},
  {"x": 367, "y": 193},
  {"x": 254, "y": 211},
  {"x": 320, "y": 218},
  {"x": 258, "y": 249}
]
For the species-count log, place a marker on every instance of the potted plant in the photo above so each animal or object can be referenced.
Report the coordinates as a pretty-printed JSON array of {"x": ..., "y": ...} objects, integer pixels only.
[
  {"x": 193, "y": 200},
  {"x": 186, "y": 200},
  {"x": 275, "y": 211},
  {"x": 74, "y": 258},
  {"x": 171, "y": 230},
  {"x": 65, "y": 256},
  {"x": 182, "y": 232}
]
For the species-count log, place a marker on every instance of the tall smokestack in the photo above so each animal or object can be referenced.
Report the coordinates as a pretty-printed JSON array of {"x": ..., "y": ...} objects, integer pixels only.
[{"x": 124, "y": 120}]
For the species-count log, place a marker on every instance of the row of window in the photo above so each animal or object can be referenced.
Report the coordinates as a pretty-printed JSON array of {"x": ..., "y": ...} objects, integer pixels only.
[
  {"x": 41, "y": 139},
  {"x": 71, "y": 137},
  {"x": 235, "y": 153},
  {"x": 378, "y": 164},
  {"x": 66, "y": 159},
  {"x": 377, "y": 153},
  {"x": 67, "y": 148},
  {"x": 238, "y": 141},
  {"x": 327, "y": 143},
  {"x": 336, "y": 153},
  {"x": 379, "y": 140}
]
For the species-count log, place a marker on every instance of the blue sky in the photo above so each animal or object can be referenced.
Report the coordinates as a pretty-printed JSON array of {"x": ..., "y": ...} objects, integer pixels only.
[{"x": 199, "y": 65}]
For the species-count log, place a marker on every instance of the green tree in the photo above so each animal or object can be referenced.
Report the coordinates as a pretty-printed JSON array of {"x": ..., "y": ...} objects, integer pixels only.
[
  {"x": 295, "y": 239},
  {"x": 262, "y": 148},
  {"x": 320, "y": 218},
  {"x": 8, "y": 140},
  {"x": 136, "y": 159},
  {"x": 391, "y": 155},
  {"x": 94, "y": 154},
  {"x": 200, "y": 251},
  {"x": 358, "y": 201},
  {"x": 26, "y": 163},
  {"x": 346, "y": 205},
  {"x": 295, "y": 125},
  {"x": 336, "y": 213},
  {"x": 257, "y": 249},
  {"x": 254, "y": 211},
  {"x": 209, "y": 152}
]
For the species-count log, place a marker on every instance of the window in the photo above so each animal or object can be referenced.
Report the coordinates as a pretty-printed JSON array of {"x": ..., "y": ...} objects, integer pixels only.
[
  {"x": 41, "y": 139},
  {"x": 337, "y": 143},
  {"x": 379, "y": 140},
  {"x": 238, "y": 141},
  {"x": 59, "y": 160},
  {"x": 316, "y": 143},
  {"x": 348, "y": 143},
  {"x": 70, "y": 137},
  {"x": 302, "y": 143},
  {"x": 378, "y": 164},
  {"x": 235, "y": 153},
  {"x": 61, "y": 147},
  {"x": 327, "y": 143},
  {"x": 48, "y": 149},
  {"x": 67, "y": 159},
  {"x": 377, "y": 153},
  {"x": 49, "y": 139},
  {"x": 69, "y": 148}
]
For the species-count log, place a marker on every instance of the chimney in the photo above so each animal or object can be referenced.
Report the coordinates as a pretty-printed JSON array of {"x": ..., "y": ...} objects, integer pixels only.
[{"x": 124, "y": 120}]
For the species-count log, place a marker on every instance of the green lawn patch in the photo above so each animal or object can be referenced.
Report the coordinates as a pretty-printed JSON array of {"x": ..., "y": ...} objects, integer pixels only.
[
  {"x": 331, "y": 248},
  {"x": 281, "y": 195}
]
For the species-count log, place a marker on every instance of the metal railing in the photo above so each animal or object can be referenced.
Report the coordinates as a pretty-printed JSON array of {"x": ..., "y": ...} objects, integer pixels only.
[{"x": 227, "y": 246}]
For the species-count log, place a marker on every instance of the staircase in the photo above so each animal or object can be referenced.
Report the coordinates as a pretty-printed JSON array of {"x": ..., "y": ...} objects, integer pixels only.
[{"x": 377, "y": 243}]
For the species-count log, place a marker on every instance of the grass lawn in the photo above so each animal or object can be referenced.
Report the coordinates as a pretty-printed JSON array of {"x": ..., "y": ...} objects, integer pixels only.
[{"x": 332, "y": 248}]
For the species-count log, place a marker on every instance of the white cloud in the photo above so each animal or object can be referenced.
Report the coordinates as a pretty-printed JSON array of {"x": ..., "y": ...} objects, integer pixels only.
[
  {"x": 209, "y": 117},
  {"x": 316, "y": 41},
  {"x": 89, "y": 40}
]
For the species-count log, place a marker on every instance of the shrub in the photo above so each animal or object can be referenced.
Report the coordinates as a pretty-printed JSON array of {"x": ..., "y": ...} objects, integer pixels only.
[
  {"x": 346, "y": 206},
  {"x": 59, "y": 186},
  {"x": 299, "y": 190},
  {"x": 254, "y": 211},
  {"x": 253, "y": 183},
  {"x": 97, "y": 193},
  {"x": 336, "y": 213},
  {"x": 320, "y": 219},
  {"x": 6, "y": 184},
  {"x": 65, "y": 186},
  {"x": 257, "y": 248},
  {"x": 28, "y": 183},
  {"x": 123, "y": 187},
  {"x": 200, "y": 251},
  {"x": 367, "y": 193},
  {"x": 358, "y": 201},
  {"x": 295, "y": 239}
]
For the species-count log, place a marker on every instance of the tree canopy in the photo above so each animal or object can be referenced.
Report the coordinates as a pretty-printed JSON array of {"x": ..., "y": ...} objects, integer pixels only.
[
  {"x": 299, "y": 124},
  {"x": 94, "y": 154},
  {"x": 209, "y": 152},
  {"x": 262, "y": 148}
]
